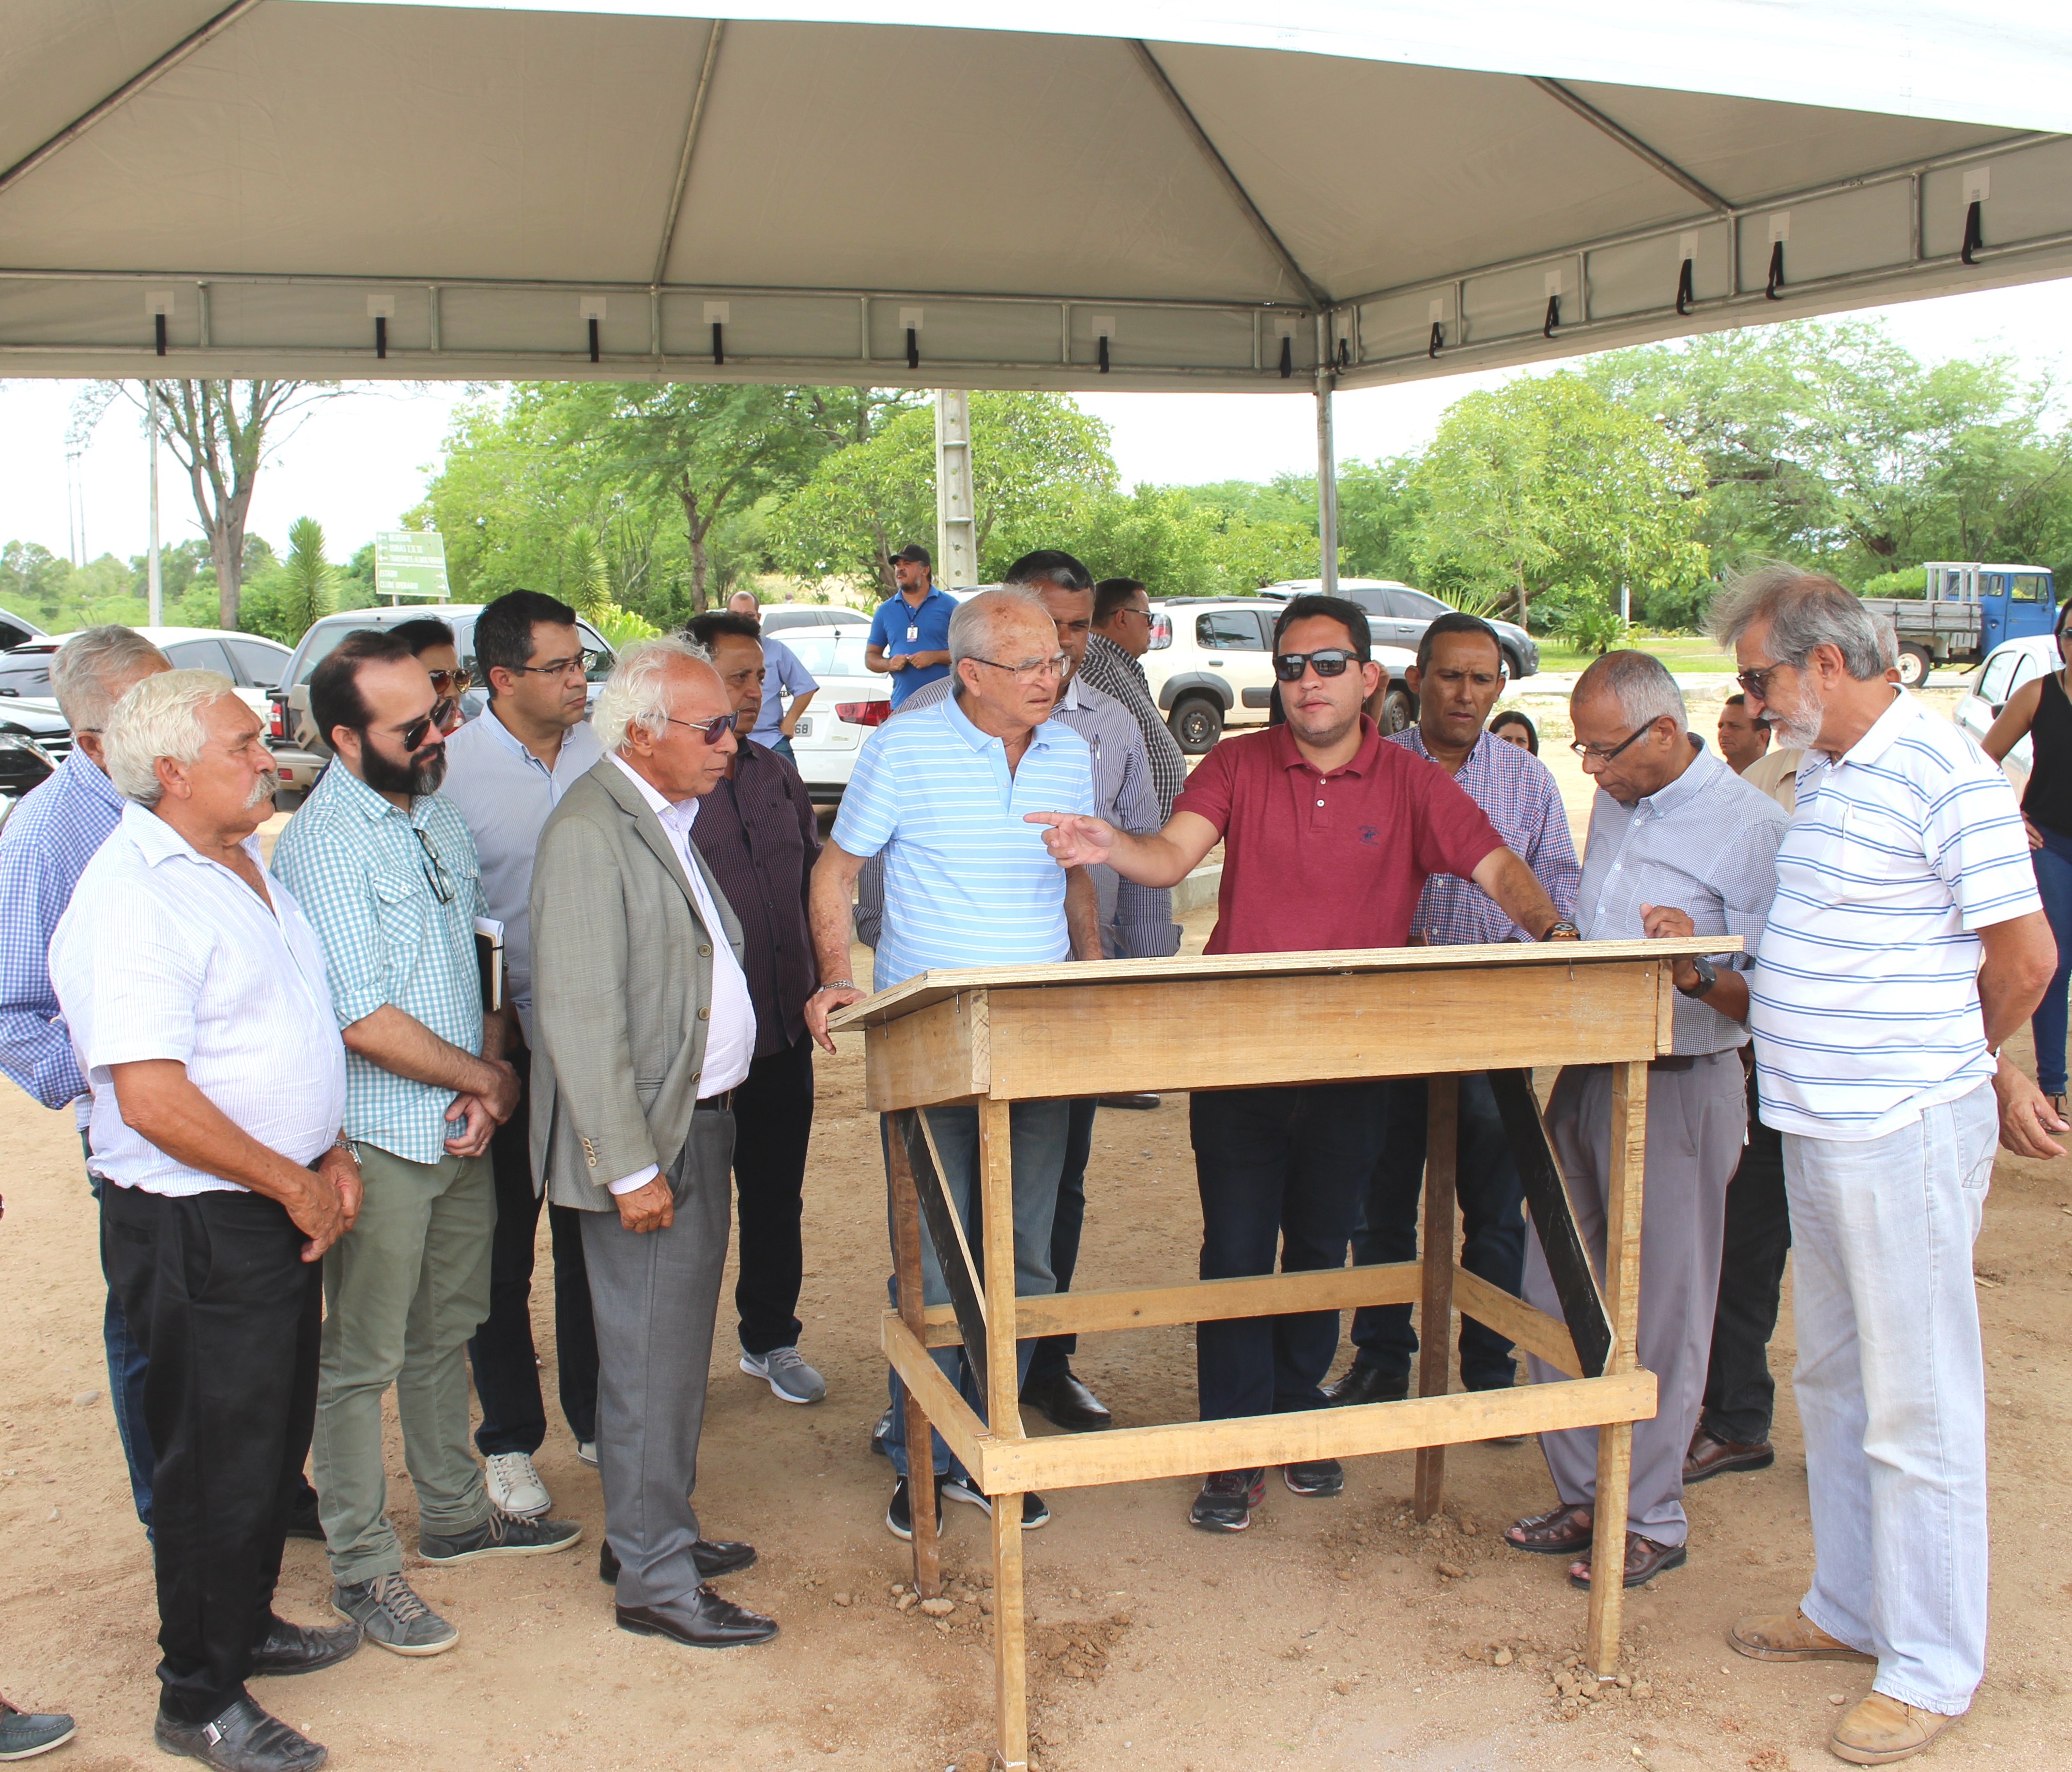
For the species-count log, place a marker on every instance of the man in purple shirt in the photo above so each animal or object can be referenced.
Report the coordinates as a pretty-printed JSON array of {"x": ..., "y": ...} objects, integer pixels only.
[{"x": 1458, "y": 677}]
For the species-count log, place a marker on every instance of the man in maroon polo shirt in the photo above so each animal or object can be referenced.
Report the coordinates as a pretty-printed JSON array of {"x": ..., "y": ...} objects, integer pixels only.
[{"x": 1329, "y": 836}]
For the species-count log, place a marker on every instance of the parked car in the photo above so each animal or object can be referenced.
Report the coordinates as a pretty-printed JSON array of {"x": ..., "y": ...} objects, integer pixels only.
[
  {"x": 2007, "y": 668},
  {"x": 784, "y": 617},
  {"x": 1397, "y": 614},
  {"x": 1210, "y": 666},
  {"x": 35, "y": 739},
  {"x": 851, "y": 699},
  {"x": 17, "y": 630},
  {"x": 289, "y": 728},
  {"x": 251, "y": 661}
]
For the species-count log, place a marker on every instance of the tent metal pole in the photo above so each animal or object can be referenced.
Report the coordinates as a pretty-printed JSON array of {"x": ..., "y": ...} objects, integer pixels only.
[
  {"x": 690, "y": 143},
  {"x": 956, "y": 511},
  {"x": 1633, "y": 144},
  {"x": 1327, "y": 467}
]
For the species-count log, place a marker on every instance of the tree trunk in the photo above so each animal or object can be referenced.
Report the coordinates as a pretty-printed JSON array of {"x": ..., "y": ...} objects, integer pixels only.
[{"x": 694, "y": 532}]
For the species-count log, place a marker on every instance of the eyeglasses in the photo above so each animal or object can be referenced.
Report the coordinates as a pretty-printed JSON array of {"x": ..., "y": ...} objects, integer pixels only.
[
  {"x": 710, "y": 730},
  {"x": 1030, "y": 670},
  {"x": 1757, "y": 681},
  {"x": 582, "y": 663},
  {"x": 1331, "y": 662},
  {"x": 1602, "y": 753},
  {"x": 413, "y": 734},
  {"x": 450, "y": 683},
  {"x": 435, "y": 870}
]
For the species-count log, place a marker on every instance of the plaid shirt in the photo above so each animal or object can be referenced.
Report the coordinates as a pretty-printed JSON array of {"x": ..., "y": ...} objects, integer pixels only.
[
  {"x": 58, "y": 828},
  {"x": 1517, "y": 793},
  {"x": 1121, "y": 678},
  {"x": 393, "y": 898}
]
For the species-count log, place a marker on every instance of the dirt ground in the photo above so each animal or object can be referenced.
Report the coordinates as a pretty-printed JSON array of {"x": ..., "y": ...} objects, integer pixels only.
[{"x": 1333, "y": 1634}]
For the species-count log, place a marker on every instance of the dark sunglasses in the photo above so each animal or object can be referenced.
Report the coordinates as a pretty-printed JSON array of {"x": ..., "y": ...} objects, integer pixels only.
[
  {"x": 1757, "y": 683},
  {"x": 435, "y": 870},
  {"x": 413, "y": 734},
  {"x": 1331, "y": 662},
  {"x": 707, "y": 729}
]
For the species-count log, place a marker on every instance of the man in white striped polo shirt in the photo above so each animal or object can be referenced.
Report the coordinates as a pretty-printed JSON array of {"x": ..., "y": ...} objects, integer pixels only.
[
  {"x": 941, "y": 791},
  {"x": 1906, "y": 942}
]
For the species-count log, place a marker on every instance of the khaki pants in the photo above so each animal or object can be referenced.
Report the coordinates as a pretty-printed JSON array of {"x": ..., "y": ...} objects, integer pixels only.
[{"x": 404, "y": 1291}]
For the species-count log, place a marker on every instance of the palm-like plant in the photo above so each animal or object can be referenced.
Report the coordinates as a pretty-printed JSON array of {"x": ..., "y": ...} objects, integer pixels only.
[{"x": 309, "y": 590}]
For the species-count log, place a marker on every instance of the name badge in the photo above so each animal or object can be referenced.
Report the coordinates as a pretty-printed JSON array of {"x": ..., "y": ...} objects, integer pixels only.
[{"x": 913, "y": 633}]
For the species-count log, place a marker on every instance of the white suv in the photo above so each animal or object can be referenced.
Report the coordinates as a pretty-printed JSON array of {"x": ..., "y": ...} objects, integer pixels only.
[{"x": 1210, "y": 665}]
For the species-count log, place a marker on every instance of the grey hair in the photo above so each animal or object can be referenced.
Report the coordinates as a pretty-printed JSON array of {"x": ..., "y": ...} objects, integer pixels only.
[
  {"x": 160, "y": 716},
  {"x": 1802, "y": 610},
  {"x": 82, "y": 669},
  {"x": 636, "y": 694},
  {"x": 1642, "y": 685},
  {"x": 973, "y": 627}
]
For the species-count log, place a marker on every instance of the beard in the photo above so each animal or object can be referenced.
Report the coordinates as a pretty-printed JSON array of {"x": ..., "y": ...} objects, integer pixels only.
[
  {"x": 421, "y": 773},
  {"x": 1802, "y": 726}
]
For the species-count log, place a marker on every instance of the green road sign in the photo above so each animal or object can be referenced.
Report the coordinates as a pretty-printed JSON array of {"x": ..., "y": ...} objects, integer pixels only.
[{"x": 410, "y": 565}]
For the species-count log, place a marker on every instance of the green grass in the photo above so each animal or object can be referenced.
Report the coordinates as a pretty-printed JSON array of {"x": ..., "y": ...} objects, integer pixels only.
[{"x": 1679, "y": 651}]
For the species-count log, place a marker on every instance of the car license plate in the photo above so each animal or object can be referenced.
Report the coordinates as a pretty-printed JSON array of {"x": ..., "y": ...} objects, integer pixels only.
[{"x": 804, "y": 729}]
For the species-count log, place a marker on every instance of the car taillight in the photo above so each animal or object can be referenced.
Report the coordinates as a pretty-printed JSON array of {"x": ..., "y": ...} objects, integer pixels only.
[
  {"x": 864, "y": 713},
  {"x": 277, "y": 724}
]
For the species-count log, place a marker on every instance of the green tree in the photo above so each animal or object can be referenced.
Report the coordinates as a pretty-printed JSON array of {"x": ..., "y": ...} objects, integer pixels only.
[{"x": 33, "y": 581}]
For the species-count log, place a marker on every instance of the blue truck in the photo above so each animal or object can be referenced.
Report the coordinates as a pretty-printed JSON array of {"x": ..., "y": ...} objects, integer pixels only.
[{"x": 1967, "y": 608}]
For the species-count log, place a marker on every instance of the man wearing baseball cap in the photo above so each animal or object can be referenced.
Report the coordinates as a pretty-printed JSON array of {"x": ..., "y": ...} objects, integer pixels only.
[{"x": 910, "y": 636}]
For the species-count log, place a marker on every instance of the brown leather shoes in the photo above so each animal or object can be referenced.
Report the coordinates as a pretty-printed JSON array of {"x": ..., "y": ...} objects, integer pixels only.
[
  {"x": 1882, "y": 1729},
  {"x": 1789, "y": 1636},
  {"x": 1709, "y": 1457},
  {"x": 1644, "y": 1560}
]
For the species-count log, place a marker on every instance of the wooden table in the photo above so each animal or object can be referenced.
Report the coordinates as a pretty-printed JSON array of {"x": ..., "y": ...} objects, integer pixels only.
[{"x": 991, "y": 1036}]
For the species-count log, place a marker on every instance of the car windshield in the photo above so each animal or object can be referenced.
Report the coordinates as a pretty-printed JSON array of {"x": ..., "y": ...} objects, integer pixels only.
[{"x": 828, "y": 651}]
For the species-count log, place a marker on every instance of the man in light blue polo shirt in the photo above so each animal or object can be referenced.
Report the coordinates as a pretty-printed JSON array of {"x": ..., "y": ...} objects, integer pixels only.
[
  {"x": 942, "y": 793},
  {"x": 910, "y": 635}
]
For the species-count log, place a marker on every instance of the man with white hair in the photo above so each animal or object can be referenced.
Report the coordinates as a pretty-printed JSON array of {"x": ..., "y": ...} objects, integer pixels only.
[
  {"x": 1908, "y": 943},
  {"x": 48, "y": 839},
  {"x": 1679, "y": 846},
  {"x": 194, "y": 993},
  {"x": 643, "y": 1027},
  {"x": 942, "y": 792}
]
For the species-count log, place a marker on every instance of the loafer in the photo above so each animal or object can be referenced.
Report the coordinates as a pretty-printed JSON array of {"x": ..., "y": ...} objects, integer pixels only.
[
  {"x": 1064, "y": 1401},
  {"x": 1882, "y": 1729},
  {"x": 704, "y": 1621},
  {"x": 245, "y": 1738},
  {"x": 1226, "y": 1500},
  {"x": 1789, "y": 1636},
  {"x": 1644, "y": 1560},
  {"x": 720, "y": 1556},
  {"x": 1317, "y": 1477},
  {"x": 501, "y": 1535},
  {"x": 1367, "y": 1384},
  {"x": 302, "y": 1649},
  {"x": 24, "y": 1734},
  {"x": 1710, "y": 1456}
]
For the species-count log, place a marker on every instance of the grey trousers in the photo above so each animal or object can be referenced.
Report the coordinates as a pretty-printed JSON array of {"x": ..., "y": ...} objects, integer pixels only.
[
  {"x": 654, "y": 1296},
  {"x": 1697, "y": 1120}
]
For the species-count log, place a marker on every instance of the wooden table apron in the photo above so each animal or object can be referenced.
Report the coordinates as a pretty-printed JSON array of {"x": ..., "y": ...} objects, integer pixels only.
[{"x": 991, "y": 1036}]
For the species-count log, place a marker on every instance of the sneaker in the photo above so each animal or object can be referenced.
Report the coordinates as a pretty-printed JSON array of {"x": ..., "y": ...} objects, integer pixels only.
[
  {"x": 388, "y": 1612},
  {"x": 1035, "y": 1514},
  {"x": 882, "y": 1433},
  {"x": 515, "y": 1486},
  {"x": 1318, "y": 1476},
  {"x": 1226, "y": 1500},
  {"x": 899, "y": 1516},
  {"x": 500, "y": 1535},
  {"x": 24, "y": 1734},
  {"x": 789, "y": 1377},
  {"x": 586, "y": 1450}
]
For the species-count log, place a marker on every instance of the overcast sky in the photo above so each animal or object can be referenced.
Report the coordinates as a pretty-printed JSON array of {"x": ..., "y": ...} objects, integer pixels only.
[{"x": 358, "y": 463}]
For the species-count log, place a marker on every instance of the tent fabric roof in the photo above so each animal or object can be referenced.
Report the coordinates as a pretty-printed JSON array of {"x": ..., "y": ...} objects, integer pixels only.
[{"x": 1221, "y": 197}]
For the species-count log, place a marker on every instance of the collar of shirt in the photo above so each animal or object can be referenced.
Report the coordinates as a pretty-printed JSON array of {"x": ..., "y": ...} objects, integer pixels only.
[
  {"x": 80, "y": 774},
  {"x": 1412, "y": 739},
  {"x": 517, "y": 746},
  {"x": 158, "y": 842},
  {"x": 357, "y": 796},
  {"x": 1361, "y": 762},
  {"x": 677, "y": 815},
  {"x": 1040, "y": 737},
  {"x": 1900, "y": 713},
  {"x": 1703, "y": 766}
]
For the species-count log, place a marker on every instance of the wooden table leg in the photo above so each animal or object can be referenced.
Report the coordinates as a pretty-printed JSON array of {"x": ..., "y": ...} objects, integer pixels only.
[
  {"x": 1010, "y": 1655},
  {"x": 1435, "y": 1323},
  {"x": 920, "y": 1454},
  {"x": 1623, "y": 1211}
]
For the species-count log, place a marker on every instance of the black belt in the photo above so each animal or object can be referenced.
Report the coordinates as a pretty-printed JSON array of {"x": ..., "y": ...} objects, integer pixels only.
[
  {"x": 722, "y": 1104},
  {"x": 1681, "y": 1062}
]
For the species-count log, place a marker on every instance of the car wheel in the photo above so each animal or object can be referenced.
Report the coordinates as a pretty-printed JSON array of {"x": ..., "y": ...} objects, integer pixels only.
[
  {"x": 1399, "y": 711},
  {"x": 1914, "y": 664},
  {"x": 1513, "y": 666},
  {"x": 1198, "y": 723}
]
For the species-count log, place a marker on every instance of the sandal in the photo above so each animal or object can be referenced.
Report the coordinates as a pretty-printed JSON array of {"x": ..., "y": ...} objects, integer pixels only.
[
  {"x": 1554, "y": 1533},
  {"x": 1644, "y": 1560}
]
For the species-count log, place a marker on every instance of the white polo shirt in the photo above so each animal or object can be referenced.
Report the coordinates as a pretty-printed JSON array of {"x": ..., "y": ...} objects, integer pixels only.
[{"x": 1865, "y": 1005}]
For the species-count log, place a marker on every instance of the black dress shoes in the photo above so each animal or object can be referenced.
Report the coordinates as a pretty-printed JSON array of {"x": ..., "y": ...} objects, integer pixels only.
[
  {"x": 302, "y": 1518},
  {"x": 245, "y": 1738},
  {"x": 703, "y": 1621},
  {"x": 299, "y": 1649},
  {"x": 1367, "y": 1384},
  {"x": 1065, "y": 1402},
  {"x": 713, "y": 1556}
]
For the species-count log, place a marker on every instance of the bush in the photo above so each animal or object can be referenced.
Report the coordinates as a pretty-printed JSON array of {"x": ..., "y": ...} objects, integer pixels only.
[{"x": 1913, "y": 581}]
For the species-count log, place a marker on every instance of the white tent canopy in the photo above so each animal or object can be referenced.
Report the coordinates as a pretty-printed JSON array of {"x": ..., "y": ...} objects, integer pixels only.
[{"x": 1147, "y": 195}]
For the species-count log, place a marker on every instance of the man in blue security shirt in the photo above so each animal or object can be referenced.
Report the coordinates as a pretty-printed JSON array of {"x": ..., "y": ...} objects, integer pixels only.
[{"x": 910, "y": 635}]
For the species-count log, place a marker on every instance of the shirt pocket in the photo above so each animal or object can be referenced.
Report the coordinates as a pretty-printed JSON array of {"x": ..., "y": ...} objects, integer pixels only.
[{"x": 402, "y": 906}]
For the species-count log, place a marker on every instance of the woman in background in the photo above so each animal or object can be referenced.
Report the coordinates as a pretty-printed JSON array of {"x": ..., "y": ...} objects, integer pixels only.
[{"x": 1517, "y": 728}]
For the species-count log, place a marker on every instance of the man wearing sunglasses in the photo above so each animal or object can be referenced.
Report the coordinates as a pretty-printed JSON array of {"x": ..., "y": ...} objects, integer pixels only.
[
  {"x": 1329, "y": 837},
  {"x": 384, "y": 867},
  {"x": 505, "y": 771}
]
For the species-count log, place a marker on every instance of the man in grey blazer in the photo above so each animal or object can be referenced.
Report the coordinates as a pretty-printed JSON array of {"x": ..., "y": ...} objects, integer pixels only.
[{"x": 642, "y": 1026}]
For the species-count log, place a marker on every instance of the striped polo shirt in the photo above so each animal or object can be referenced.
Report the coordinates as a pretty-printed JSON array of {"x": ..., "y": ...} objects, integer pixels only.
[
  {"x": 967, "y": 882},
  {"x": 1865, "y": 997}
]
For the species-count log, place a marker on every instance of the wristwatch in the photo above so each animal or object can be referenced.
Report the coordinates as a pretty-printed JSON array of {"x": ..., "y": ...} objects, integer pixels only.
[
  {"x": 1562, "y": 931},
  {"x": 1708, "y": 976}
]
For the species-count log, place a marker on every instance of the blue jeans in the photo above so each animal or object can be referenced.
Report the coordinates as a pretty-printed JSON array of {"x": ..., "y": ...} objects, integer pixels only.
[
  {"x": 1054, "y": 1353},
  {"x": 125, "y": 1386},
  {"x": 2046, "y": 1026},
  {"x": 1037, "y": 1147},
  {"x": 1493, "y": 1224}
]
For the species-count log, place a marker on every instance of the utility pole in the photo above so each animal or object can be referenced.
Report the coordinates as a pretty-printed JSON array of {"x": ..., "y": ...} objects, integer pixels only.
[
  {"x": 155, "y": 591},
  {"x": 956, "y": 510}
]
